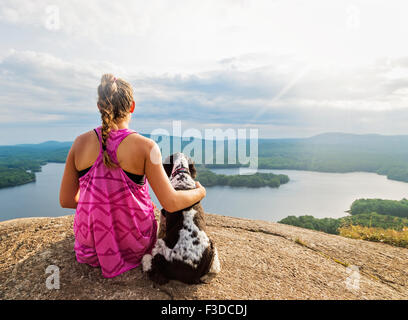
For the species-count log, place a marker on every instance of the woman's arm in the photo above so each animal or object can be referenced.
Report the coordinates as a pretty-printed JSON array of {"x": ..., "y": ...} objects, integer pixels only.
[
  {"x": 171, "y": 200},
  {"x": 69, "y": 191}
]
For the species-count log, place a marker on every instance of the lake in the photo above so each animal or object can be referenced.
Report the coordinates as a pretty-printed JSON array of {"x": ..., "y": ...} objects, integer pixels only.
[{"x": 315, "y": 193}]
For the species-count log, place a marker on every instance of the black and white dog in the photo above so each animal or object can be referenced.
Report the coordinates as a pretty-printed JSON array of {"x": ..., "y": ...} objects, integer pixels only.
[{"x": 185, "y": 252}]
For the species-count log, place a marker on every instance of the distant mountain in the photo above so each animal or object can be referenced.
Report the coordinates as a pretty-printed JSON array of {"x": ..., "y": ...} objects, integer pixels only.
[
  {"x": 51, "y": 144},
  {"x": 323, "y": 138},
  {"x": 327, "y": 152},
  {"x": 349, "y": 138},
  {"x": 326, "y": 142},
  {"x": 339, "y": 143}
]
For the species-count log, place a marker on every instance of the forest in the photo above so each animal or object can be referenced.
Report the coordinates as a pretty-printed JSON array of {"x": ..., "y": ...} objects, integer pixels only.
[
  {"x": 337, "y": 152},
  {"x": 333, "y": 152},
  {"x": 377, "y": 213},
  {"x": 384, "y": 207},
  {"x": 208, "y": 179},
  {"x": 331, "y": 225},
  {"x": 330, "y": 152},
  {"x": 19, "y": 163}
]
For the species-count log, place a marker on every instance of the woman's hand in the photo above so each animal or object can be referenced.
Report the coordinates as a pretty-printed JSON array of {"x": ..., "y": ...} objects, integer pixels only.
[
  {"x": 171, "y": 200},
  {"x": 203, "y": 192}
]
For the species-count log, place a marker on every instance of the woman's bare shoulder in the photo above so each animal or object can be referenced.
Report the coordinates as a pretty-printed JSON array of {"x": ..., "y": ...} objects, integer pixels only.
[
  {"x": 142, "y": 141},
  {"x": 85, "y": 137}
]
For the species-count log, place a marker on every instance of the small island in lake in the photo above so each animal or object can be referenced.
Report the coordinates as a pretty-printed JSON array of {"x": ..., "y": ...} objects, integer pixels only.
[
  {"x": 330, "y": 152},
  {"x": 258, "y": 180}
]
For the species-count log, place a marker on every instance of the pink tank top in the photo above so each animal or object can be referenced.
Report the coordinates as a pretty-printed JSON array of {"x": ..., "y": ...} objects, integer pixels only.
[{"x": 114, "y": 222}]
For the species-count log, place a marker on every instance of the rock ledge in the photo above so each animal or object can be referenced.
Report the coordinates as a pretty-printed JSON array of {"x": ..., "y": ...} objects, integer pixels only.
[{"x": 259, "y": 260}]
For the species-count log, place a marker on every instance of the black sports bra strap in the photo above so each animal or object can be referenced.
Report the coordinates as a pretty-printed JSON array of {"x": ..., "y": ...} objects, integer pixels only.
[
  {"x": 137, "y": 178},
  {"x": 99, "y": 139}
]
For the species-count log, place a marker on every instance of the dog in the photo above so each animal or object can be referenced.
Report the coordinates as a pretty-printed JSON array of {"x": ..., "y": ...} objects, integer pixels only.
[{"x": 183, "y": 251}]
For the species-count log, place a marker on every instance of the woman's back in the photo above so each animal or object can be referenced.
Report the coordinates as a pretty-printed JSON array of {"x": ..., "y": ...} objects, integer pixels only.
[
  {"x": 114, "y": 223},
  {"x": 131, "y": 152}
]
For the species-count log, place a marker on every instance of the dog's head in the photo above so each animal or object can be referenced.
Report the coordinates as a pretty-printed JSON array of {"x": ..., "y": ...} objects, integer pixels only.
[{"x": 181, "y": 171}]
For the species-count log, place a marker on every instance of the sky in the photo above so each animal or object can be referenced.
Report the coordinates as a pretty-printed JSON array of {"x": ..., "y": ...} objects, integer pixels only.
[{"x": 288, "y": 68}]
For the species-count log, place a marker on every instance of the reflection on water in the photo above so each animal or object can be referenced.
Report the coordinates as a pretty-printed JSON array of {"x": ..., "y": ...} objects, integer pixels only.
[{"x": 315, "y": 193}]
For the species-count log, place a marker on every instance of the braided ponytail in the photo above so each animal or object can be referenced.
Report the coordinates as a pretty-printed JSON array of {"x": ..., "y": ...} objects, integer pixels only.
[{"x": 115, "y": 97}]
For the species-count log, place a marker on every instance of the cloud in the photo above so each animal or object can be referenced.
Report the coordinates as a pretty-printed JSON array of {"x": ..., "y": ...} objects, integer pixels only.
[
  {"x": 45, "y": 88},
  {"x": 86, "y": 19},
  {"x": 265, "y": 64},
  {"x": 33, "y": 83}
]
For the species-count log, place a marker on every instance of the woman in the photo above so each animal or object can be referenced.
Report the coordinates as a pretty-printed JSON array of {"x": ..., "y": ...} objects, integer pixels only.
[{"x": 105, "y": 181}]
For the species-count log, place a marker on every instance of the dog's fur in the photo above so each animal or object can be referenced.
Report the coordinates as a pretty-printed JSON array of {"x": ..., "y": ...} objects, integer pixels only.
[{"x": 184, "y": 252}]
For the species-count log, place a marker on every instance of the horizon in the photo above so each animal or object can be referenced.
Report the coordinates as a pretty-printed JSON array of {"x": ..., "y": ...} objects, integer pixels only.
[
  {"x": 266, "y": 65},
  {"x": 283, "y": 138}
]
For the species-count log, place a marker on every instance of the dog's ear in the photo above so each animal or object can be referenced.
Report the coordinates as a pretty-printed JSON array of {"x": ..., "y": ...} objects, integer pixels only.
[
  {"x": 168, "y": 165},
  {"x": 192, "y": 168}
]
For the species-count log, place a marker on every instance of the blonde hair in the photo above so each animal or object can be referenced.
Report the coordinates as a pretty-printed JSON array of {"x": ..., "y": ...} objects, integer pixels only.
[{"x": 115, "y": 98}]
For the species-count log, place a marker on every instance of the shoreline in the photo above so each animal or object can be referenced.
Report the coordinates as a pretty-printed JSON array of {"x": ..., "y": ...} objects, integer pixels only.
[{"x": 236, "y": 167}]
